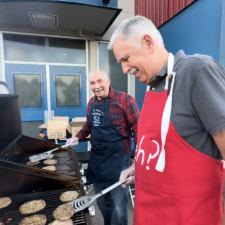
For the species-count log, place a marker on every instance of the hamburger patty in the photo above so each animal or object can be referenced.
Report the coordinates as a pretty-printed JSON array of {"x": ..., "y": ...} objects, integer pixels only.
[
  {"x": 69, "y": 196},
  {"x": 32, "y": 206},
  {"x": 37, "y": 219},
  {"x": 63, "y": 212},
  {"x": 4, "y": 202}
]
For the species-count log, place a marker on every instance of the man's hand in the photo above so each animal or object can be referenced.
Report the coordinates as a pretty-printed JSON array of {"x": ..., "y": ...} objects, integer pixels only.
[
  {"x": 72, "y": 141},
  {"x": 126, "y": 173}
]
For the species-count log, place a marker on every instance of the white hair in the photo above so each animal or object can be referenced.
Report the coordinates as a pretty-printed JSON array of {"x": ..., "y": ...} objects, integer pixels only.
[
  {"x": 133, "y": 29},
  {"x": 100, "y": 71}
]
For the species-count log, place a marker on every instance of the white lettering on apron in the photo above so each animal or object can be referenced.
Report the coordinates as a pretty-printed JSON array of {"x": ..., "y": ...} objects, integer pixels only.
[
  {"x": 142, "y": 152},
  {"x": 153, "y": 156}
]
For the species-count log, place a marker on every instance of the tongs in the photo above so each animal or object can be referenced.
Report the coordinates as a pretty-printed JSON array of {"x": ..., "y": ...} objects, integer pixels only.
[
  {"x": 44, "y": 155},
  {"x": 85, "y": 201}
]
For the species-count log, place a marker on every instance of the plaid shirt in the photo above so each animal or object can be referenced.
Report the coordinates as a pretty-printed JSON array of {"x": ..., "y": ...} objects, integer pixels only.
[{"x": 124, "y": 114}]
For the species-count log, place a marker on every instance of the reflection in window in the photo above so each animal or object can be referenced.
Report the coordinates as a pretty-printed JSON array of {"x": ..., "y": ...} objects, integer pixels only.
[
  {"x": 28, "y": 48},
  {"x": 108, "y": 63},
  {"x": 24, "y": 48},
  {"x": 67, "y": 91},
  {"x": 67, "y": 51},
  {"x": 28, "y": 86},
  {"x": 30, "y": 128}
]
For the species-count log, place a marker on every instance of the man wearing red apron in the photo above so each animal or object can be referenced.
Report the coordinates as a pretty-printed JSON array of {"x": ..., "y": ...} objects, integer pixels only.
[{"x": 175, "y": 183}]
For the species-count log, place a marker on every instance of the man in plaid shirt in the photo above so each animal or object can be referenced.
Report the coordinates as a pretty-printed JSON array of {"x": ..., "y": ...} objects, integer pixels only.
[{"x": 112, "y": 118}]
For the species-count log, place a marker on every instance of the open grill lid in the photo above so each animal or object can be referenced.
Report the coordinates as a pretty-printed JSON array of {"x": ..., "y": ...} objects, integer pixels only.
[{"x": 10, "y": 119}]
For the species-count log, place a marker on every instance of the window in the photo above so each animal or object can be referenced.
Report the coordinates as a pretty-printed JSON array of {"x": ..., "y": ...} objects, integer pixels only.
[
  {"x": 67, "y": 51},
  {"x": 108, "y": 63},
  {"x": 28, "y": 87},
  {"x": 27, "y": 48},
  {"x": 67, "y": 91},
  {"x": 24, "y": 48}
]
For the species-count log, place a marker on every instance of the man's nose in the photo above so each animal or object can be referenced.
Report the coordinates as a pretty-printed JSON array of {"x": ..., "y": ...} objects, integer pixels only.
[
  {"x": 96, "y": 86},
  {"x": 125, "y": 67}
]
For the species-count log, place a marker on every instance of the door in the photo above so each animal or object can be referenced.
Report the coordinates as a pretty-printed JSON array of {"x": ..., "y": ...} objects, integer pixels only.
[
  {"x": 68, "y": 93},
  {"x": 29, "y": 81}
]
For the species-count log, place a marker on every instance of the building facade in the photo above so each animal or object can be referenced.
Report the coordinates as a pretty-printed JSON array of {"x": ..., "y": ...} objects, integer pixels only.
[{"x": 48, "y": 50}]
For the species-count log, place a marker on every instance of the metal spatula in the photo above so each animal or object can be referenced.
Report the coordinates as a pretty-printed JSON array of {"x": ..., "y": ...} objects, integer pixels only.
[
  {"x": 44, "y": 155},
  {"x": 85, "y": 201}
]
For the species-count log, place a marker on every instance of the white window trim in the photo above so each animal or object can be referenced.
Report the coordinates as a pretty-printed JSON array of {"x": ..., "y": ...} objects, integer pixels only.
[{"x": 43, "y": 35}]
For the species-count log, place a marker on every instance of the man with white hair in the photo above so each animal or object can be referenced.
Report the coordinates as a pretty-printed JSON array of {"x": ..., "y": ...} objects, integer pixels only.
[
  {"x": 112, "y": 117},
  {"x": 181, "y": 131}
]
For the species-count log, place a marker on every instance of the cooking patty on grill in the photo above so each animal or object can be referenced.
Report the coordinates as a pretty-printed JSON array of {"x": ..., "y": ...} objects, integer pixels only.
[
  {"x": 58, "y": 222},
  {"x": 50, "y": 168},
  {"x": 50, "y": 162},
  {"x": 37, "y": 219},
  {"x": 33, "y": 163},
  {"x": 50, "y": 156},
  {"x": 63, "y": 212},
  {"x": 69, "y": 196},
  {"x": 32, "y": 206},
  {"x": 4, "y": 202}
]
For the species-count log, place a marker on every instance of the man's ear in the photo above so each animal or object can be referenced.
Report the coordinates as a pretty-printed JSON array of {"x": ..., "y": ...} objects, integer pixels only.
[
  {"x": 147, "y": 41},
  {"x": 109, "y": 81}
]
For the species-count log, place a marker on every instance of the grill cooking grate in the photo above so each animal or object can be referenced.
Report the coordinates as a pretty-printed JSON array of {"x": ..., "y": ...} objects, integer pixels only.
[
  {"x": 65, "y": 163},
  {"x": 12, "y": 216}
]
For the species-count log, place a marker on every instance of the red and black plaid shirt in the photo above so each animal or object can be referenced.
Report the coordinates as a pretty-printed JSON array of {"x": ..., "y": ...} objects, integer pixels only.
[{"x": 124, "y": 114}]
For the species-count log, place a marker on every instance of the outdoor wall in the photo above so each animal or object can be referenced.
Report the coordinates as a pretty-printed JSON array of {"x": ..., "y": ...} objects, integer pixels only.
[
  {"x": 127, "y": 7},
  {"x": 196, "y": 29}
]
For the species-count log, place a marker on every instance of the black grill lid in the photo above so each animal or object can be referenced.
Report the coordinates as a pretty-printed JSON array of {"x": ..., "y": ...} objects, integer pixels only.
[{"x": 10, "y": 119}]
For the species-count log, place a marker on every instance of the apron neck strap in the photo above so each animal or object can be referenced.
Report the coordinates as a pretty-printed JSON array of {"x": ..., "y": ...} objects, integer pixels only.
[
  {"x": 170, "y": 65},
  {"x": 161, "y": 163}
]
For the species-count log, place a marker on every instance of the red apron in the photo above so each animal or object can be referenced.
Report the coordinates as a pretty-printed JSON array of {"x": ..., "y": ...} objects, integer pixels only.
[{"x": 175, "y": 184}]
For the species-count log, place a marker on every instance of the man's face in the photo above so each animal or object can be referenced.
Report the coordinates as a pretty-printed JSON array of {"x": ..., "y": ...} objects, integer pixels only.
[
  {"x": 138, "y": 62},
  {"x": 99, "y": 84}
]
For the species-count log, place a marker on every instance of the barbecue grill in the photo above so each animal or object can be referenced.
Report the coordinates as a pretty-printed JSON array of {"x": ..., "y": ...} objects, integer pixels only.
[{"x": 23, "y": 183}]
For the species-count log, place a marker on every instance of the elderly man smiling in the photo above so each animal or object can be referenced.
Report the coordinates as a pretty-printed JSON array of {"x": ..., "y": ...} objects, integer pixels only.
[
  {"x": 181, "y": 131},
  {"x": 112, "y": 117}
]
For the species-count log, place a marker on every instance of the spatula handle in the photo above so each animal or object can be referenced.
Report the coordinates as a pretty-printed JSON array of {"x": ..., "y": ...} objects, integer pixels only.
[
  {"x": 63, "y": 146},
  {"x": 117, "y": 184}
]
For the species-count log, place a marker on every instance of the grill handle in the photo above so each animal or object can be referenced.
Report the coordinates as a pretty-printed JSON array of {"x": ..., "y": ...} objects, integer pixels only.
[{"x": 5, "y": 85}]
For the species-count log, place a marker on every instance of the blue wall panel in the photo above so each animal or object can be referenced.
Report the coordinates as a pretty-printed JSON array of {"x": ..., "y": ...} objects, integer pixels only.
[
  {"x": 140, "y": 90},
  {"x": 196, "y": 29},
  {"x": 222, "y": 37}
]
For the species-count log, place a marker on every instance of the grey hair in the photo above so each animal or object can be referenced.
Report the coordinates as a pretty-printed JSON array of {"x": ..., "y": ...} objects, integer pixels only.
[
  {"x": 133, "y": 30},
  {"x": 101, "y": 71}
]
